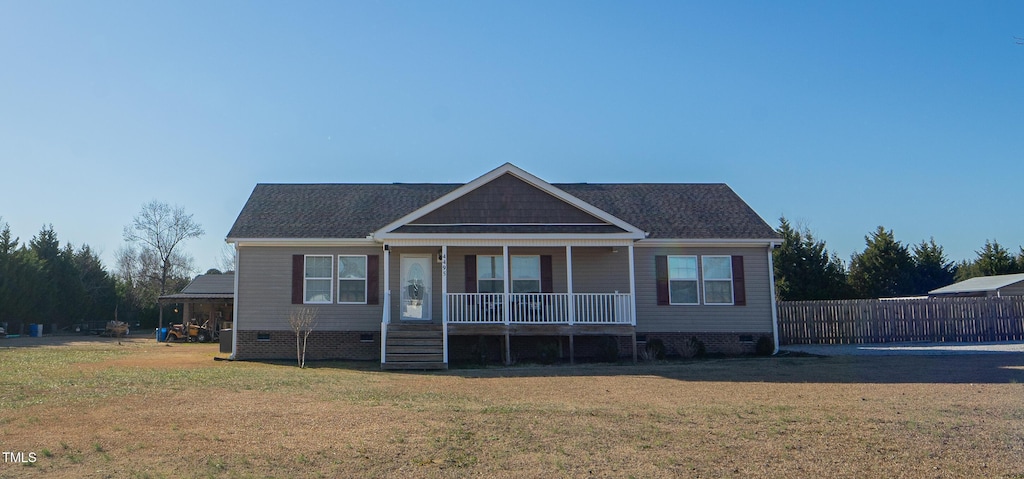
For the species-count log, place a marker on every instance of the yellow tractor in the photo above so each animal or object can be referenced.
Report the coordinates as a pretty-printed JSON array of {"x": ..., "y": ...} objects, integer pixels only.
[{"x": 190, "y": 331}]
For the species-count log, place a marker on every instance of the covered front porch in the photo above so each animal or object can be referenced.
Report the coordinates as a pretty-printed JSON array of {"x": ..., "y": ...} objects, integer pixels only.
[{"x": 494, "y": 288}]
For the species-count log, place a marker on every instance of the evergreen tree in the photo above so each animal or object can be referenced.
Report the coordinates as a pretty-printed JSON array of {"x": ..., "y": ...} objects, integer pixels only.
[
  {"x": 932, "y": 269},
  {"x": 993, "y": 259},
  {"x": 8, "y": 249},
  {"x": 100, "y": 290},
  {"x": 43, "y": 282},
  {"x": 884, "y": 269},
  {"x": 804, "y": 269},
  {"x": 45, "y": 250}
]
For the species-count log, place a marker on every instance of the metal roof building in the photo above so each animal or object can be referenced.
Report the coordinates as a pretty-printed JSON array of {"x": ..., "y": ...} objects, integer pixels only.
[{"x": 999, "y": 285}]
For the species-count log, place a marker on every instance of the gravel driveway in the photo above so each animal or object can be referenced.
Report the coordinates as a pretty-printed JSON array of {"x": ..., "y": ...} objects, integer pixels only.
[{"x": 904, "y": 349}]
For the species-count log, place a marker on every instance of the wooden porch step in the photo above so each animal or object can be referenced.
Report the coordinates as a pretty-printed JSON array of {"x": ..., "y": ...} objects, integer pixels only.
[
  {"x": 415, "y": 334},
  {"x": 415, "y": 348},
  {"x": 414, "y": 327},
  {"x": 415, "y": 357},
  {"x": 397, "y": 366},
  {"x": 425, "y": 342}
]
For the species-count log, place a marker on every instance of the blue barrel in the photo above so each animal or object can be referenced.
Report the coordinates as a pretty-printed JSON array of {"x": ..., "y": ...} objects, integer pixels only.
[
  {"x": 161, "y": 334},
  {"x": 35, "y": 330}
]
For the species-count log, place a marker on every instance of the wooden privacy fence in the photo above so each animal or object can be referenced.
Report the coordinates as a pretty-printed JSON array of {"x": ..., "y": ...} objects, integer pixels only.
[{"x": 877, "y": 321}]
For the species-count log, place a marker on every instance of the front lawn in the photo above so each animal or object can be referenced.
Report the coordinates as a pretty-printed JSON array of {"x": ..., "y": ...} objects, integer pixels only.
[{"x": 143, "y": 409}]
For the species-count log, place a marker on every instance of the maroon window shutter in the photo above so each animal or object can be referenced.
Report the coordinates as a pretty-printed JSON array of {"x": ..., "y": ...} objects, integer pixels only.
[
  {"x": 739, "y": 287},
  {"x": 372, "y": 279},
  {"x": 661, "y": 275},
  {"x": 470, "y": 273},
  {"x": 547, "y": 275},
  {"x": 298, "y": 275}
]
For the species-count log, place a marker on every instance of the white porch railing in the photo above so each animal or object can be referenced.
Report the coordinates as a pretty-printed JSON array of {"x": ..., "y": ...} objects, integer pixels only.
[{"x": 540, "y": 308}]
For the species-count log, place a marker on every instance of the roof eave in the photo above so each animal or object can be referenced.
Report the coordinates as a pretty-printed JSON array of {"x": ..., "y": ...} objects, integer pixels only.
[{"x": 654, "y": 242}]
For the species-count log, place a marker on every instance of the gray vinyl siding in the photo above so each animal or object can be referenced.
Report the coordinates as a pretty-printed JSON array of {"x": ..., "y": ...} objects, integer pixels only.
[
  {"x": 457, "y": 271},
  {"x": 264, "y": 286},
  {"x": 264, "y": 291},
  {"x": 755, "y": 317},
  {"x": 1012, "y": 290},
  {"x": 595, "y": 270},
  {"x": 600, "y": 270}
]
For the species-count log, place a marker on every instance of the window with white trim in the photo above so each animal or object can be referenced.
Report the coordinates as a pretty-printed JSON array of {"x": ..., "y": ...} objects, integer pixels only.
[
  {"x": 717, "y": 279},
  {"x": 525, "y": 274},
  {"x": 352, "y": 279},
  {"x": 318, "y": 279},
  {"x": 490, "y": 274},
  {"x": 682, "y": 280}
]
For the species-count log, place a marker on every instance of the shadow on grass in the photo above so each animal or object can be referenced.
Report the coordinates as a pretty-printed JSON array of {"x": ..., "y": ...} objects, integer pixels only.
[
  {"x": 71, "y": 339},
  {"x": 949, "y": 369},
  {"x": 958, "y": 369}
]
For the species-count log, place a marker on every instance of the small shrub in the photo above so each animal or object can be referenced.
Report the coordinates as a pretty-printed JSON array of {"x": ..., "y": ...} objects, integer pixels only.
[
  {"x": 693, "y": 348},
  {"x": 646, "y": 355},
  {"x": 764, "y": 346},
  {"x": 608, "y": 349},
  {"x": 656, "y": 347}
]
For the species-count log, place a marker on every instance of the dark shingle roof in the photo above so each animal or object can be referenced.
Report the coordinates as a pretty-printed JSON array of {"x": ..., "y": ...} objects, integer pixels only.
[
  {"x": 665, "y": 210},
  {"x": 677, "y": 210},
  {"x": 211, "y": 284},
  {"x": 205, "y": 287}
]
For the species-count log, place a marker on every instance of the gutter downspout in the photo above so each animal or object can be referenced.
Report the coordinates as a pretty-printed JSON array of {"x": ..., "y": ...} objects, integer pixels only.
[{"x": 775, "y": 305}]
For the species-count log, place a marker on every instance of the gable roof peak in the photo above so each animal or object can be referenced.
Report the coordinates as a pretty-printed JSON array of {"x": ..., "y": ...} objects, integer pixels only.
[{"x": 523, "y": 175}]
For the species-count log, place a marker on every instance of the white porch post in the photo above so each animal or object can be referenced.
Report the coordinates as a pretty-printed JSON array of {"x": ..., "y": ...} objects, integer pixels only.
[
  {"x": 444, "y": 299},
  {"x": 568, "y": 282},
  {"x": 632, "y": 287},
  {"x": 507, "y": 278},
  {"x": 386, "y": 316}
]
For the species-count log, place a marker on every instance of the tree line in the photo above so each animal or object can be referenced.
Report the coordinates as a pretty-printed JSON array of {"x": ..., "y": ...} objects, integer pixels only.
[
  {"x": 44, "y": 281},
  {"x": 806, "y": 270}
]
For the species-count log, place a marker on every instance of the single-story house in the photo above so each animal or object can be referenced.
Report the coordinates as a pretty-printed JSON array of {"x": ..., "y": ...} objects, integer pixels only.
[
  {"x": 506, "y": 264},
  {"x": 998, "y": 285}
]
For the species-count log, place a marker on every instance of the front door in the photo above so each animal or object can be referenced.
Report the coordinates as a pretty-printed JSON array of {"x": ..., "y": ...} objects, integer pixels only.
[{"x": 415, "y": 287}]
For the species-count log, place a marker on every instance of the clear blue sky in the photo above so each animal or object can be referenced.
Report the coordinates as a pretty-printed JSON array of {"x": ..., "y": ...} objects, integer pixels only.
[{"x": 840, "y": 115}]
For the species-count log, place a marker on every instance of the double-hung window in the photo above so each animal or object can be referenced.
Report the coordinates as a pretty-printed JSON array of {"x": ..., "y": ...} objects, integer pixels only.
[
  {"x": 352, "y": 279},
  {"x": 525, "y": 274},
  {"x": 717, "y": 279},
  {"x": 682, "y": 280},
  {"x": 490, "y": 274},
  {"x": 318, "y": 279}
]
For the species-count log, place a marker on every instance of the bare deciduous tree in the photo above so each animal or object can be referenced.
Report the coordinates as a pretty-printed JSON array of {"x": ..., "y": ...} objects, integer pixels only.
[
  {"x": 226, "y": 260},
  {"x": 303, "y": 321},
  {"x": 158, "y": 230}
]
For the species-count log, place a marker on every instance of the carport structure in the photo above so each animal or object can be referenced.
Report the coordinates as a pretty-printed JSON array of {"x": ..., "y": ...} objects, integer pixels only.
[{"x": 208, "y": 297}]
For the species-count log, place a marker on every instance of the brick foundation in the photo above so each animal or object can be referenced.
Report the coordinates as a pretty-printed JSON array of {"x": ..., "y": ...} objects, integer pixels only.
[
  {"x": 320, "y": 345},
  {"x": 682, "y": 345},
  {"x": 488, "y": 349}
]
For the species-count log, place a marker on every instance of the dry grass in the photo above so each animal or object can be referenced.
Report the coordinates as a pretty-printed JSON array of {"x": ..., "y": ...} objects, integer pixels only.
[{"x": 147, "y": 410}]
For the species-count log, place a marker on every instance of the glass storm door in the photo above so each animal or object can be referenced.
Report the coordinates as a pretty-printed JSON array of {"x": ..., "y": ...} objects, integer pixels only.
[{"x": 415, "y": 287}]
